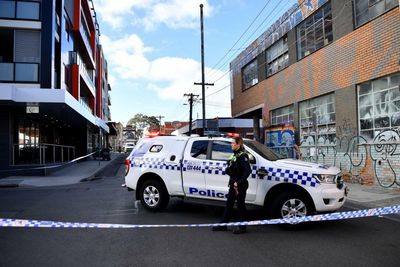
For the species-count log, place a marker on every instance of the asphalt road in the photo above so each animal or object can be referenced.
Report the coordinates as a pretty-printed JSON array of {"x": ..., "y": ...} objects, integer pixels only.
[{"x": 356, "y": 242}]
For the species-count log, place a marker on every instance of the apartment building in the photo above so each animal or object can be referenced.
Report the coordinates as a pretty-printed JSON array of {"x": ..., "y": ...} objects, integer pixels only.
[
  {"x": 326, "y": 75},
  {"x": 54, "y": 90}
]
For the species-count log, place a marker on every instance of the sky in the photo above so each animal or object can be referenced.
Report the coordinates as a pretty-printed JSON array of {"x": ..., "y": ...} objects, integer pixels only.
[{"x": 154, "y": 55}]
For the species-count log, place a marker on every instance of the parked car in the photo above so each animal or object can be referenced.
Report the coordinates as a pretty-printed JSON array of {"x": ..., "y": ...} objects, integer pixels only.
[{"x": 128, "y": 147}]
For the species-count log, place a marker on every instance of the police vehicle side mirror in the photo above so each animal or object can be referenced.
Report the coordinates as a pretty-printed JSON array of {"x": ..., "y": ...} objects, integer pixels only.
[
  {"x": 172, "y": 158},
  {"x": 262, "y": 172}
]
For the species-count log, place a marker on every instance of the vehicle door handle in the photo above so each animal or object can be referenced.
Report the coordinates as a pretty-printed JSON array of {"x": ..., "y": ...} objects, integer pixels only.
[
  {"x": 262, "y": 172},
  {"x": 213, "y": 168}
]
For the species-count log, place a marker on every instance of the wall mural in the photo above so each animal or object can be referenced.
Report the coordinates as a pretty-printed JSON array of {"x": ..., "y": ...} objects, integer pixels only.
[
  {"x": 281, "y": 140},
  {"x": 360, "y": 161}
]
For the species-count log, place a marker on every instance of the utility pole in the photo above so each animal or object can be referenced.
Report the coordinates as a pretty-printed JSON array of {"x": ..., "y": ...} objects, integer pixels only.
[
  {"x": 203, "y": 83},
  {"x": 159, "y": 119},
  {"x": 190, "y": 99}
]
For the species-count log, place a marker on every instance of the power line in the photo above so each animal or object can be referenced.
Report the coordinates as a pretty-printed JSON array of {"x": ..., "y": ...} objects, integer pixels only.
[
  {"x": 219, "y": 90},
  {"x": 248, "y": 27},
  {"x": 259, "y": 26},
  {"x": 289, "y": 45},
  {"x": 251, "y": 36}
]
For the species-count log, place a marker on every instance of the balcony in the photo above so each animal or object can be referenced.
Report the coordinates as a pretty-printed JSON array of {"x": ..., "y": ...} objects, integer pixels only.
[
  {"x": 87, "y": 77},
  {"x": 86, "y": 74},
  {"x": 19, "y": 72},
  {"x": 86, "y": 40},
  {"x": 85, "y": 103}
]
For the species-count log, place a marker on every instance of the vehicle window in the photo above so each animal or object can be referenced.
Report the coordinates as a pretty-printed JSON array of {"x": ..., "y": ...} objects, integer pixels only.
[
  {"x": 262, "y": 150},
  {"x": 221, "y": 150},
  {"x": 156, "y": 148},
  {"x": 141, "y": 150},
  {"x": 199, "y": 149}
]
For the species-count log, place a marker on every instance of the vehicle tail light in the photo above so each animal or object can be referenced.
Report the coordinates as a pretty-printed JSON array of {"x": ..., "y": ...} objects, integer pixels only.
[{"x": 127, "y": 164}]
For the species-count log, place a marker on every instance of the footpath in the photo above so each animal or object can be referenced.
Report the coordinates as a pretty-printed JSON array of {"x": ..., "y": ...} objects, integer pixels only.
[
  {"x": 359, "y": 197},
  {"x": 73, "y": 173}
]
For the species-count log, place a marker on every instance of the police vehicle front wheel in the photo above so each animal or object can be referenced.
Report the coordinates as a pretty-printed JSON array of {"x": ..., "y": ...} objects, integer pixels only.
[
  {"x": 153, "y": 195},
  {"x": 291, "y": 205}
]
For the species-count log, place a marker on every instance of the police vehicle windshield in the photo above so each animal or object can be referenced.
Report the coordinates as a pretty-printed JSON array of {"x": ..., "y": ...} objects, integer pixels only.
[{"x": 262, "y": 150}]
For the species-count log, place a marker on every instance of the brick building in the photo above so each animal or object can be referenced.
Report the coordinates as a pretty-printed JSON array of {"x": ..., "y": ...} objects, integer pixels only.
[
  {"x": 170, "y": 126},
  {"x": 326, "y": 75},
  {"x": 54, "y": 91}
]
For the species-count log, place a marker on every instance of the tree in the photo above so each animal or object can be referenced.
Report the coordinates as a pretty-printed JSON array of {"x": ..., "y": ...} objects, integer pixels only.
[{"x": 139, "y": 122}]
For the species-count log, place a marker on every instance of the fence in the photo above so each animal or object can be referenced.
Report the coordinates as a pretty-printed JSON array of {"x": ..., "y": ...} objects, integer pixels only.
[{"x": 42, "y": 153}]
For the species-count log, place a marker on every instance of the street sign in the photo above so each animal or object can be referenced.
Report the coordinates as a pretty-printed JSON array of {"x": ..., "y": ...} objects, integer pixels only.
[{"x": 32, "y": 107}]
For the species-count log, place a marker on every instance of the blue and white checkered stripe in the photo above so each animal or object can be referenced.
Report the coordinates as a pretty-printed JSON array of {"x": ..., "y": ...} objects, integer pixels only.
[
  {"x": 210, "y": 167},
  {"x": 218, "y": 168},
  {"x": 286, "y": 175},
  {"x": 207, "y": 167},
  {"x": 6, "y": 222},
  {"x": 154, "y": 163}
]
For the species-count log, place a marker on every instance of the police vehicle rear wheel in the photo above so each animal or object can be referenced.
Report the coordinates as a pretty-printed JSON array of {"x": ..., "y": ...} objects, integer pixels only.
[
  {"x": 291, "y": 205},
  {"x": 153, "y": 195}
]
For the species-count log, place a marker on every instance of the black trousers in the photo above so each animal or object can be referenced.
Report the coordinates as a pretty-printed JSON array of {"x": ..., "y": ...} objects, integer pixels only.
[{"x": 230, "y": 202}]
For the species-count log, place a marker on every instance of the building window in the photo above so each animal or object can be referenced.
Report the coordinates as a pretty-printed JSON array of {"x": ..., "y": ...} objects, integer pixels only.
[
  {"x": 282, "y": 116},
  {"x": 26, "y": 10},
  {"x": 318, "y": 120},
  {"x": 250, "y": 75},
  {"x": 315, "y": 32},
  {"x": 277, "y": 56},
  {"x": 26, "y": 151},
  {"x": 379, "y": 106},
  {"x": 19, "y": 56},
  {"x": 366, "y": 10}
]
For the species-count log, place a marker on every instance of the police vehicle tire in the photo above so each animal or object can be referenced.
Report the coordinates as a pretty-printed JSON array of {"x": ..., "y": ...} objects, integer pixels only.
[
  {"x": 291, "y": 204},
  {"x": 153, "y": 195}
]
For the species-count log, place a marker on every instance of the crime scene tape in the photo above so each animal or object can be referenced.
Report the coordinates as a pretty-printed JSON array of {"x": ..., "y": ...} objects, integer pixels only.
[
  {"x": 52, "y": 166},
  {"x": 4, "y": 222}
]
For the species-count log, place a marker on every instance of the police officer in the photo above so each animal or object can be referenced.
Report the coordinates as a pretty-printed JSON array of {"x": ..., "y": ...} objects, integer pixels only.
[{"x": 238, "y": 170}]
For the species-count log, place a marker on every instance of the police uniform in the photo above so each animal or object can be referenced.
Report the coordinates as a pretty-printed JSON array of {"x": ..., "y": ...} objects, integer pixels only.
[{"x": 238, "y": 170}]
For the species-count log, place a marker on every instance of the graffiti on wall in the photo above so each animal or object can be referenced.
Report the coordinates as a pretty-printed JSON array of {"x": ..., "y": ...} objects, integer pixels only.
[
  {"x": 364, "y": 161},
  {"x": 281, "y": 140},
  {"x": 386, "y": 155}
]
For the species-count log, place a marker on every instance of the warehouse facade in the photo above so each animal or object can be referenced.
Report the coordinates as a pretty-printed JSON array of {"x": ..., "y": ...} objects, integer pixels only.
[{"x": 326, "y": 76}]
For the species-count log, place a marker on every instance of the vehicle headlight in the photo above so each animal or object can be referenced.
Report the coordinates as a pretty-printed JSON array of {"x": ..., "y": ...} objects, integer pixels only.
[{"x": 325, "y": 178}]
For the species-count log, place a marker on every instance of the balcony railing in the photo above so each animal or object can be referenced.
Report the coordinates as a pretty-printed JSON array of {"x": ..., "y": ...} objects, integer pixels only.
[
  {"x": 84, "y": 103},
  {"x": 86, "y": 40},
  {"x": 19, "y": 72},
  {"x": 42, "y": 154},
  {"x": 87, "y": 74}
]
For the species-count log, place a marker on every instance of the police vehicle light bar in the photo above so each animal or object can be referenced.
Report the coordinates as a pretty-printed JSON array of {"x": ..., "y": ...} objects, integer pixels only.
[{"x": 219, "y": 133}]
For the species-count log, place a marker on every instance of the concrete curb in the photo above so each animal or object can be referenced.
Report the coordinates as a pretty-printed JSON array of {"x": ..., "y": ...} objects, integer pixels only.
[{"x": 93, "y": 177}]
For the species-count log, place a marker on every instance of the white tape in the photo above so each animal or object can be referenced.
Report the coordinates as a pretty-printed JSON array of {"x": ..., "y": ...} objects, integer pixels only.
[
  {"x": 4, "y": 222},
  {"x": 52, "y": 166}
]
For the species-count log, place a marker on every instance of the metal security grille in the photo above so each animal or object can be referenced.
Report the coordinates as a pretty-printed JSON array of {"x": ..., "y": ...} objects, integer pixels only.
[{"x": 27, "y": 46}]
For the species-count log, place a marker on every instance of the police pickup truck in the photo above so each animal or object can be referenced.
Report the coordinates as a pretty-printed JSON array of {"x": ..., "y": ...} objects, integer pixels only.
[{"x": 194, "y": 168}]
